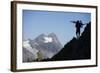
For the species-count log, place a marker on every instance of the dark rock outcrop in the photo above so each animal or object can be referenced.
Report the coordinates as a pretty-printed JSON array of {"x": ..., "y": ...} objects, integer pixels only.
[{"x": 77, "y": 48}]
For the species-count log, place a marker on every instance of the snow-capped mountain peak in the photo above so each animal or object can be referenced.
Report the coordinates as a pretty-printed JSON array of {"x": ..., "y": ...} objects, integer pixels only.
[
  {"x": 26, "y": 44},
  {"x": 29, "y": 53},
  {"x": 48, "y": 39},
  {"x": 49, "y": 45}
]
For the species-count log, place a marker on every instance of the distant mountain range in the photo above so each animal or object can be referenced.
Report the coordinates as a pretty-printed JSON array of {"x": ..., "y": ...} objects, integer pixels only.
[
  {"x": 48, "y": 45},
  {"x": 52, "y": 50}
]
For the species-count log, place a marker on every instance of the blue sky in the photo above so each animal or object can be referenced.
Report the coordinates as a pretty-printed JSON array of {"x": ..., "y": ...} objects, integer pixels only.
[{"x": 38, "y": 22}]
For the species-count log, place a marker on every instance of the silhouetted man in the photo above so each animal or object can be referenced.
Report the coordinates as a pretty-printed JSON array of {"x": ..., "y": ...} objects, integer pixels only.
[{"x": 78, "y": 25}]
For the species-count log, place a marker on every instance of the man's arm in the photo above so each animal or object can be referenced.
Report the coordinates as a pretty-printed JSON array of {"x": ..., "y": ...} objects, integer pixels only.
[{"x": 73, "y": 21}]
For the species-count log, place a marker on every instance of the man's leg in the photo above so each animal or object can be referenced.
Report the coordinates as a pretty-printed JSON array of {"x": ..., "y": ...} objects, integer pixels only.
[{"x": 77, "y": 33}]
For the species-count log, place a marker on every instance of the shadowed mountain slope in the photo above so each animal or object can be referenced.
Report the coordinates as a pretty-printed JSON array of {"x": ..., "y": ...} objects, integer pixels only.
[{"x": 77, "y": 48}]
